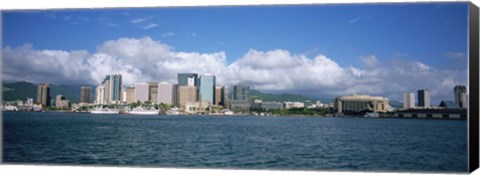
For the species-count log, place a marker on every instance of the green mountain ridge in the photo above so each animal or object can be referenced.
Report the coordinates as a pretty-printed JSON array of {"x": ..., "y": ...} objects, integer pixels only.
[{"x": 22, "y": 90}]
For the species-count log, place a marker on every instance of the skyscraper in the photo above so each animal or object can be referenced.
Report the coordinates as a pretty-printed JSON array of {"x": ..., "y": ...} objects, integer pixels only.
[
  {"x": 186, "y": 94},
  {"x": 112, "y": 89},
  {"x": 115, "y": 88},
  {"x": 218, "y": 95},
  {"x": 241, "y": 93},
  {"x": 226, "y": 97},
  {"x": 207, "y": 88},
  {"x": 85, "y": 94},
  {"x": 130, "y": 94},
  {"x": 408, "y": 100},
  {"x": 141, "y": 92},
  {"x": 188, "y": 79},
  {"x": 167, "y": 93},
  {"x": 43, "y": 95},
  {"x": 423, "y": 98},
  {"x": 100, "y": 95},
  {"x": 460, "y": 95},
  {"x": 241, "y": 99},
  {"x": 153, "y": 92}
]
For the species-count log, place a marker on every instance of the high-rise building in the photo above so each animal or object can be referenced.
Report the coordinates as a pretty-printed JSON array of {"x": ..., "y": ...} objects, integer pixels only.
[
  {"x": 408, "y": 100},
  {"x": 188, "y": 79},
  {"x": 167, "y": 93},
  {"x": 423, "y": 98},
  {"x": 186, "y": 94},
  {"x": 241, "y": 93},
  {"x": 153, "y": 92},
  {"x": 460, "y": 95},
  {"x": 43, "y": 95},
  {"x": 226, "y": 97},
  {"x": 240, "y": 102},
  {"x": 207, "y": 88},
  {"x": 130, "y": 94},
  {"x": 115, "y": 88},
  {"x": 218, "y": 95},
  {"x": 85, "y": 94},
  {"x": 141, "y": 92},
  {"x": 112, "y": 89},
  {"x": 100, "y": 95}
]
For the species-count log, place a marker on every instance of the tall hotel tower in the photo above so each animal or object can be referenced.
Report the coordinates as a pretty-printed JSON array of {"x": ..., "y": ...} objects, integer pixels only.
[
  {"x": 460, "y": 94},
  {"x": 110, "y": 90},
  {"x": 423, "y": 98},
  {"x": 85, "y": 94},
  {"x": 408, "y": 100},
  {"x": 207, "y": 88},
  {"x": 188, "y": 79},
  {"x": 43, "y": 95}
]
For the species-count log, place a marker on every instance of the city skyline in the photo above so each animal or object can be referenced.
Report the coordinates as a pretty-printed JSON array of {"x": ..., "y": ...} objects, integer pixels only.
[{"x": 270, "y": 55}]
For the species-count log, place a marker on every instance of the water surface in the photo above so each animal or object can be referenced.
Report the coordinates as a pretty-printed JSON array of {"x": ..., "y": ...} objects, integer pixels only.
[{"x": 294, "y": 143}]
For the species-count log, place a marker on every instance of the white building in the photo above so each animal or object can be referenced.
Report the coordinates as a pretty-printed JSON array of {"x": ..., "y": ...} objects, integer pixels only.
[
  {"x": 30, "y": 101},
  {"x": 166, "y": 93},
  {"x": 100, "y": 95},
  {"x": 295, "y": 104},
  {"x": 141, "y": 92},
  {"x": 408, "y": 100}
]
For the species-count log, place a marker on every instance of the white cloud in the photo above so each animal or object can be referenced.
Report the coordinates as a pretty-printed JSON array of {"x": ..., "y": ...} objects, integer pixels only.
[
  {"x": 68, "y": 17},
  {"x": 51, "y": 15},
  {"x": 150, "y": 25},
  {"x": 145, "y": 59},
  {"x": 138, "y": 20},
  {"x": 355, "y": 20},
  {"x": 112, "y": 24},
  {"x": 369, "y": 62},
  {"x": 168, "y": 34},
  {"x": 455, "y": 55}
]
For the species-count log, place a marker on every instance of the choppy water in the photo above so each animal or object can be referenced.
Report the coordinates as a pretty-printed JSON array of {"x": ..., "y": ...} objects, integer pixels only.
[{"x": 297, "y": 143}]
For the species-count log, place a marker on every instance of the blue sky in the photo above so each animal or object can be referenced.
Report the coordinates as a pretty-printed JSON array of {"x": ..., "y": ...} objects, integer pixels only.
[
  {"x": 434, "y": 34},
  {"x": 421, "y": 31}
]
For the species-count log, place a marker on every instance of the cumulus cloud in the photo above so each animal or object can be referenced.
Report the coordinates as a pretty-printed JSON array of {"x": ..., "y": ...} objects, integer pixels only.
[
  {"x": 369, "y": 62},
  {"x": 57, "y": 66},
  {"x": 150, "y": 25},
  {"x": 145, "y": 59}
]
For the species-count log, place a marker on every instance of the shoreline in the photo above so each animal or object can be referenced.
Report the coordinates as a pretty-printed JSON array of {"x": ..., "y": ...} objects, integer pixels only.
[{"x": 250, "y": 115}]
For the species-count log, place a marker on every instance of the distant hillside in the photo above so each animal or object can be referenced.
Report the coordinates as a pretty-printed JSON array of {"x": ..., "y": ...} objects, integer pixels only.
[
  {"x": 19, "y": 90},
  {"x": 396, "y": 104},
  {"x": 255, "y": 94},
  {"x": 23, "y": 90}
]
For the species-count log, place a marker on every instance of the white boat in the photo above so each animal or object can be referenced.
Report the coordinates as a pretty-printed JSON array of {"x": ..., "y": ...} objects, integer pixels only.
[
  {"x": 228, "y": 113},
  {"x": 371, "y": 114},
  {"x": 173, "y": 111},
  {"x": 143, "y": 111},
  {"x": 104, "y": 111}
]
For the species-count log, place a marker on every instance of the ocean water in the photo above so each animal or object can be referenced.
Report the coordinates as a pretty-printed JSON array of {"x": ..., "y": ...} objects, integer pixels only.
[{"x": 248, "y": 142}]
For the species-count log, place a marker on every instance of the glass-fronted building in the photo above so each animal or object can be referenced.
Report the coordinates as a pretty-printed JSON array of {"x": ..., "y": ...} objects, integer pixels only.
[{"x": 207, "y": 88}]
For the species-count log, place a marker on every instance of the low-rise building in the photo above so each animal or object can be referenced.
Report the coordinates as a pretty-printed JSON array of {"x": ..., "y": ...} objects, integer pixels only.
[
  {"x": 360, "y": 103},
  {"x": 295, "y": 104}
]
